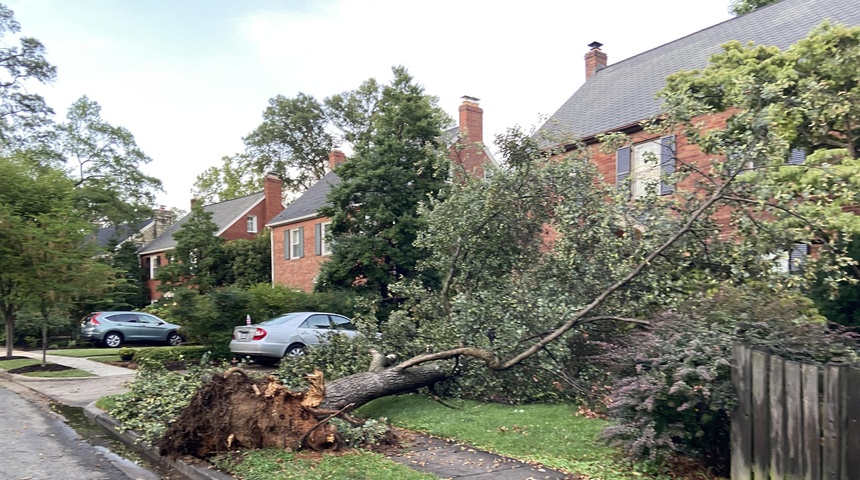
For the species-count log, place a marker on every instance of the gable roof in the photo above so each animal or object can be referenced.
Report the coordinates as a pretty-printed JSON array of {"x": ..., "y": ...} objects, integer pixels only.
[
  {"x": 307, "y": 205},
  {"x": 115, "y": 235},
  {"x": 224, "y": 214},
  {"x": 624, "y": 93}
]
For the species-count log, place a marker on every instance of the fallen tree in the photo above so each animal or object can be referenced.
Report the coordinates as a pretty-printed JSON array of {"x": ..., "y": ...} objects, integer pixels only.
[{"x": 541, "y": 249}]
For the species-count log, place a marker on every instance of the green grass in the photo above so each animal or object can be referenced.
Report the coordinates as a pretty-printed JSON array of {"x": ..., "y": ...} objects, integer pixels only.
[
  {"x": 279, "y": 465},
  {"x": 549, "y": 434},
  {"x": 73, "y": 373},
  {"x": 26, "y": 362},
  {"x": 18, "y": 363},
  {"x": 108, "y": 402},
  {"x": 84, "y": 352}
]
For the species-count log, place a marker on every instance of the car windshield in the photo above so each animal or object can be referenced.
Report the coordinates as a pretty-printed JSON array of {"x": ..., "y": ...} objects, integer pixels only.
[{"x": 279, "y": 320}]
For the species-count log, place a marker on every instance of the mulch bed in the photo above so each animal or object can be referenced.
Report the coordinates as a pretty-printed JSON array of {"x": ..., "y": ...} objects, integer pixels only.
[{"x": 51, "y": 367}]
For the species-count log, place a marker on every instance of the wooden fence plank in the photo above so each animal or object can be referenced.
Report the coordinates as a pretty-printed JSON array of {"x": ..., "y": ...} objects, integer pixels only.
[
  {"x": 741, "y": 433},
  {"x": 793, "y": 421},
  {"x": 760, "y": 414},
  {"x": 852, "y": 428},
  {"x": 832, "y": 413},
  {"x": 776, "y": 405},
  {"x": 811, "y": 423}
]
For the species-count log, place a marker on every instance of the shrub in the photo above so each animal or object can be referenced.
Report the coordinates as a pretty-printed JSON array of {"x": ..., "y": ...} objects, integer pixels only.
[
  {"x": 157, "y": 396},
  {"x": 673, "y": 392},
  {"x": 126, "y": 354}
]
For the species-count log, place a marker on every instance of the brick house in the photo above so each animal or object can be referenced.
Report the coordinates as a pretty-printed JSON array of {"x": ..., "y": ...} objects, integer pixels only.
[
  {"x": 618, "y": 97},
  {"x": 239, "y": 218},
  {"x": 299, "y": 232}
]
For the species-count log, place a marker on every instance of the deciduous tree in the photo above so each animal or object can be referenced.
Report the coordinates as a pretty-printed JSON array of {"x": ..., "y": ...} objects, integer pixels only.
[{"x": 106, "y": 164}]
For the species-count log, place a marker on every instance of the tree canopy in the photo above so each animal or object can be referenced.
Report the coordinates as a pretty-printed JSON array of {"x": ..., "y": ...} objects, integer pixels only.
[
  {"x": 293, "y": 141},
  {"x": 21, "y": 113},
  {"x": 401, "y": 163},
  {"x": 740, "y": 7}
]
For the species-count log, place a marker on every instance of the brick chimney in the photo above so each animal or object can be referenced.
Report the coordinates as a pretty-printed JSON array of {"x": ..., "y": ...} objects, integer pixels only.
[
  {"x": 194, "y": 201},
  {"x": 471, "y": 120},
  {"x": 335, "y": 158},
  {"x": 595, "y": 60},
  {"x": 273, "y": 196}
]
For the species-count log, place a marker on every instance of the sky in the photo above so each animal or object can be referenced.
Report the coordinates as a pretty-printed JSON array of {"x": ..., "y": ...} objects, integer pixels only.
[{"x": 190, "y": 78}]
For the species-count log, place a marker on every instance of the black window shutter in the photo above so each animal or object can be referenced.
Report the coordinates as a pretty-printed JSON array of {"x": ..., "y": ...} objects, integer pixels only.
[
  {"x": 797, "y": 257},
  {"x": 301, "y": 242},
  {"x": 622, "y": 166},
  {"x": 148, "y": 267},
  {"x": 667, "y": 163},
  {"x": 318, "y": 239},
  {"x": 797, "y": 157}
]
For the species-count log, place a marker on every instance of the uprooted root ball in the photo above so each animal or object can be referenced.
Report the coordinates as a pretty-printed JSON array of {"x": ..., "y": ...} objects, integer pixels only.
[{"x": 235, "y": 411}]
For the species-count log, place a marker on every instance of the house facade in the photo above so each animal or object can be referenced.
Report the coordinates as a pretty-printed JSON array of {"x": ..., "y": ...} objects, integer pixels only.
[
  {"x": 239, "y": 218},
  {"x": 299, "y": 232},
  {"x": 618, "y": 97}
]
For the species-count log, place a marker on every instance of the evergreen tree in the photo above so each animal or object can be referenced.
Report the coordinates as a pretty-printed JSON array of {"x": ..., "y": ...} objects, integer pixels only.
[
  {"x": 197, "y": 262},
  {"x": 397, "y": 166}
]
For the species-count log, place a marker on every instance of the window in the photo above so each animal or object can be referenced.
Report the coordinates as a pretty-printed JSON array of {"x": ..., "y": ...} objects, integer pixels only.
[
  {"x": 646, "y": 164},
  {"x": 294, "y": 246},
  {"x": 791, "y": 261},
  {"x": 252, "y": 224},
  {"x": 154, "y": 263},
  {"x": 322, "y": 245}
]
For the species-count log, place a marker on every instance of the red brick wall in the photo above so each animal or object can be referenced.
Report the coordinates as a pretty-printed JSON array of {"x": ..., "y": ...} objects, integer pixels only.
[
  {"x": 685, "y": 152},
  {"x": 239, "y": 229},
  {"x": 300, "y": 272},
  {"x": 151, "y": 284}
]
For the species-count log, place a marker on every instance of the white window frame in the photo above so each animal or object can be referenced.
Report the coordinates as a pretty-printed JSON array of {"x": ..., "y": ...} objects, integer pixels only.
[
  {"x": 645, "y": 168},
  {"x": 252, "y": 223},
  {"x": 296, "y": 243},
  {"x": 154, "y": 263},
  {"x": 325, "y": 247}
]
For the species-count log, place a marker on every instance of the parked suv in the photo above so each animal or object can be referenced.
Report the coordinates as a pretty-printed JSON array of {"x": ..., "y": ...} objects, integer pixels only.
[{"x": 112, "y": 329}]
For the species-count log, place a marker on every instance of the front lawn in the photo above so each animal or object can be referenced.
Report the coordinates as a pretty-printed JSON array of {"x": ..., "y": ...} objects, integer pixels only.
[
  {"x": 11, "y": 365},
  {"x": 552, "y": 435},
  {"x": 276, "y": 464}
]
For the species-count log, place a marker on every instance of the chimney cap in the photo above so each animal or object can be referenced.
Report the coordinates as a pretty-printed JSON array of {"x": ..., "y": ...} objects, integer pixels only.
[
  {"x": 595, "y": 45},
  {"x": 468, "y": 99}
]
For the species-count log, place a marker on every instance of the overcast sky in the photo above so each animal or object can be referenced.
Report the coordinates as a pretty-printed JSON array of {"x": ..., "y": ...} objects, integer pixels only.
[{"x": 190, "y": 78}]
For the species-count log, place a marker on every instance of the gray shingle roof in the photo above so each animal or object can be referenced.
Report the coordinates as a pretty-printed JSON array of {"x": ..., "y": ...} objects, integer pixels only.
[
  {"x": 307, "y": 205},
  {"x": 224, "y": 214},
  {"x": 624, "y": 93},
  {"x": 108, "y": 236}
]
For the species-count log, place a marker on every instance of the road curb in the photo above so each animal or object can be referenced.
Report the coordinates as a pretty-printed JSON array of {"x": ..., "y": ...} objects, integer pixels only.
[{"x": 134, "y": 442}]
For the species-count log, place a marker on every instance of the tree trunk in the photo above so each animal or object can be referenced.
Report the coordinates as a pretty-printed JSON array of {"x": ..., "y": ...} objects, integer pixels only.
[
  {"x": 44, "y": 343},
  {"x": 10, "y": 331},
  {"x": 361, "y": 388}
]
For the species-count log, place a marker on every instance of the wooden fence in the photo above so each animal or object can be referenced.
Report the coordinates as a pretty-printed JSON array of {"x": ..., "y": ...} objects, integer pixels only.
[{"x": 794, "y": 420}]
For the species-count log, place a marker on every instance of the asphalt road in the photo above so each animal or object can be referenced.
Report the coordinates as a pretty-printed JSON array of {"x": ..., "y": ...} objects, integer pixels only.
[{"x": 37, "y": 445}]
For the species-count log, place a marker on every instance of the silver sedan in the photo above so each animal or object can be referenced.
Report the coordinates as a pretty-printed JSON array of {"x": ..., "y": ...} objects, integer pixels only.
[{"x": 287, "y": 335}]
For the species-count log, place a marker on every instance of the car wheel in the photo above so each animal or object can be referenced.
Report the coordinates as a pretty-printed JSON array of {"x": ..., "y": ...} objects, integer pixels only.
[
  {"x": 174, "y": 339},
  {"x": 112, "y": 340},
  {"x": 295, "y": 350}
]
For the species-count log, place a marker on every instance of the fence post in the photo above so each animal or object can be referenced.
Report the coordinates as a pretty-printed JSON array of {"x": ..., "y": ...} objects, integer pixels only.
[
  {"x": 852, "y": 429},
  {"x": 793, "y": 420},
  {"x": 741, "y": 433},
  {"x": 834, "y": 421},
  {"x": 760, "y": 414},
  {"x": 811, "y": 422}
]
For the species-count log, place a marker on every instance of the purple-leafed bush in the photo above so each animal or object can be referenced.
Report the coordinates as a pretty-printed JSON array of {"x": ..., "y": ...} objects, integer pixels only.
[{"x": 672, "y": 392}]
